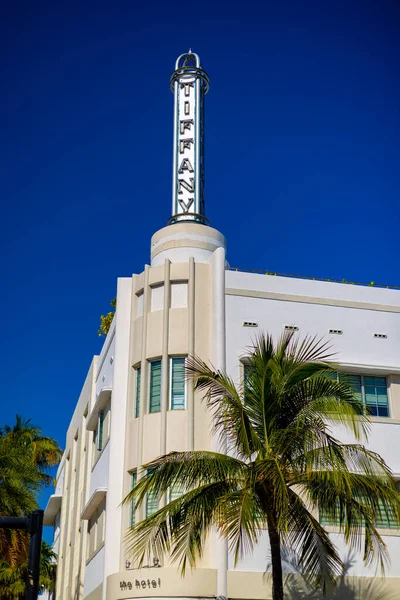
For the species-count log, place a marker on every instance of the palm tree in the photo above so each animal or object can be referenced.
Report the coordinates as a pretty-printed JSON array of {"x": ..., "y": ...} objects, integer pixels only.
[
  {"x": 13, "y": 578},
  {"x": 282, "y": 463},
  {"x": 26, "y": 459}
]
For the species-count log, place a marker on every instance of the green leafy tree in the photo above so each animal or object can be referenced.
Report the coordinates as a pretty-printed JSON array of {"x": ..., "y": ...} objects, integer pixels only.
[
  {"x": 26, "y": 460},
  {"x": 13, "y": 578},
  {"x": 106, "y": 320},
  {"x": 283, "y": 463}
]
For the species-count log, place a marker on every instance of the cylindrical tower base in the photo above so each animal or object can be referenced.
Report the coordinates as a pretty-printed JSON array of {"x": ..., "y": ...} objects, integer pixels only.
[{"x": 181, "y": 241}]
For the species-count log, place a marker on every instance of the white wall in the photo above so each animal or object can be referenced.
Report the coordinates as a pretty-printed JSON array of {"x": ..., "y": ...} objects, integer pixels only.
[
  {"x": 99, "y": 475},
  {"x": 356, "y": 346},
  {"x": 105, "y": 365},
  {"x": 116, "y": 444},
  {"x": 94, "y": 573}
]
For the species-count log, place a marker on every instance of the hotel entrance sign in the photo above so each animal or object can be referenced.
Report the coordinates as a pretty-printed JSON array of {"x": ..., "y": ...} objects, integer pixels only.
[{"x": 189, "y": 84}]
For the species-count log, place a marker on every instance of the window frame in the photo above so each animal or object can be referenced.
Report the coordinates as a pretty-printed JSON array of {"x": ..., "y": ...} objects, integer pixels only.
[
  {"x": 100, "y": 431},
  {"x": 151, "y": 362},
  {"x": 137, "y": 388},
  {"x": 132, "y": 512},
  {"x": 171, "y": 359},
  {"x": 96, "y": 529},
  {"x": 363, "y": 393},
  {"x": 147, "y": 513},
  {"x": 380, "y": 522}
]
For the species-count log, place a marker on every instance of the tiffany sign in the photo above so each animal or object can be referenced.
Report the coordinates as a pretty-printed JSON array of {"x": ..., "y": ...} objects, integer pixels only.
[{"x": 189, "y": 83}]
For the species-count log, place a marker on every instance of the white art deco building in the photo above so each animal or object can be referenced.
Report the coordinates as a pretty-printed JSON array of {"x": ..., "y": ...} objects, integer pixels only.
[{"x": 135, "y": 406}]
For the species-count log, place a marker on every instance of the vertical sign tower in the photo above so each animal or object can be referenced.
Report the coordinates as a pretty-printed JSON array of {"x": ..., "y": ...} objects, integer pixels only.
[{"x": 189, "y": 83}]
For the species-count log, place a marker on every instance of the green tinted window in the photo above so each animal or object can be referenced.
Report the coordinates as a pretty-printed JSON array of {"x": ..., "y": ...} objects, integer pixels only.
[
  {"x": 155, "y": 386},
  {"x": 151, "y": 502},
  {"x": 178, "y": 383},
  {"x": 132, "y": 507},
  {"x": 137, "y": 392}
]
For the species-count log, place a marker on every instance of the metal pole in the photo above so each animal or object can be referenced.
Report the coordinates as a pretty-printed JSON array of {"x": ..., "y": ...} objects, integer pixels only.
[
  {"x": 13, "y": 523},
  {"x": 35, "y": 528}
]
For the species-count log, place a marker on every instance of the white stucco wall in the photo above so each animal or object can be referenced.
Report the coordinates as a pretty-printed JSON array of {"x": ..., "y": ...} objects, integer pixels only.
[
  {"x": 99, "y": 475},
  {"x": 94, "y": 573},
  {"x": 296, "y": 302},
  {"x": 105, "y": 365}
]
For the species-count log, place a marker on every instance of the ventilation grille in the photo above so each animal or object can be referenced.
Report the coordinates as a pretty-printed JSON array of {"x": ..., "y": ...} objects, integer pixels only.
[
  {"x": 291, "y": 328},
  {"x": 383, "y": 336},
  {"x": 336, "y": 331},
  {"x": 250, "y": 324}
]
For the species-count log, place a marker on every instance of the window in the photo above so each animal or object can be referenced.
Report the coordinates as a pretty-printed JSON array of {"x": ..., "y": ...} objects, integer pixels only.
[
  {"x": 100, "y": 424},
  {"x": 132, "y": 505},
  {"x": 385, "y": 520},
  {"x": 96, "y": 530},
  {"x": 174, "y": 493},
  {"x": 371, "y": 390},
  {"x": 246, "y": 372},
  {"x": 325, "y": 519},
  {"x": 375, "y": 395},
  {"x": 151, "y": 501},
  {"x": 155, "y": 386},
  {"x": 91, "y": 546},
  {"x": 382, "y": 520},
  {"x": 177, "y": 399},
  {"x": 137, "y": 392},
  {"x": 101, "y": 434}
]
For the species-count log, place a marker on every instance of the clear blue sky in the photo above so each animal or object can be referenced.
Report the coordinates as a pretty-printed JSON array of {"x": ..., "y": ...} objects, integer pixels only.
[{"x": 302, "y": 159}]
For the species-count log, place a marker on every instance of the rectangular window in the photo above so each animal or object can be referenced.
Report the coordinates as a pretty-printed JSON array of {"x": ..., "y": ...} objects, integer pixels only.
[
  {"x": 386, "y": 521},
  {"x": 100, "y": 424},
  {"x": 151, "y": 502},
  {"x": 371, "y": 390},
  {"x": 324, "y": 518},
  {"x": 132, "y": 505},
  {"x": 174, "y": 493},
  {"x": 246, "y": 372},
  {"x": 382, "y": 520},
  {"x": 375, "y": 396},
  {"x": 155, "y": 386},
  {"x": 91, "y": 546},
  {"x": 137, "y": 392},
  {"x": 177, "y": 401}
]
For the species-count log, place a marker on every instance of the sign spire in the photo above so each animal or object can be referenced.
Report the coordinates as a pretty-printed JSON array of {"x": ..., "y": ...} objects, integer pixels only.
[{"x": 189, "y": 84}]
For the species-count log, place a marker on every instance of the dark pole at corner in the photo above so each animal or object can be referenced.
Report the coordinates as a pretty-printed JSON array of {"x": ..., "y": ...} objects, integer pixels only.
[{"x": 35, "y": 527}]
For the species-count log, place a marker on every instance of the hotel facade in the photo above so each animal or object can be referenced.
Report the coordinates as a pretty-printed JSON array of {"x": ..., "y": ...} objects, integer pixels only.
[{"x": 135, "y": 404}]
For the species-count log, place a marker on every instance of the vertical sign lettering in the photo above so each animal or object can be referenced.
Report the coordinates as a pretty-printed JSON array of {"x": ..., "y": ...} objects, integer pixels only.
[{"x": 189, "y": 84}]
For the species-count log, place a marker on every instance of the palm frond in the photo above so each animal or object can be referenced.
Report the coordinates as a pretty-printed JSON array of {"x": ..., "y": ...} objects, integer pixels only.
[{"x": 231, "y": 421}]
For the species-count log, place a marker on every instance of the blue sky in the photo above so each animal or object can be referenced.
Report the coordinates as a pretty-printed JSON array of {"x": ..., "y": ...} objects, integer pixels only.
[{"x": 302, "y": 159}]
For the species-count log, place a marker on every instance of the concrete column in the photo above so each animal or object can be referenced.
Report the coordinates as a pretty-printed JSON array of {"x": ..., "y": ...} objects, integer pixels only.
[
  {"x": 144, "y": 377},
  {"x": 115, "y": 487},
  {"x": 165, "y": 357},
  {"x": 218, "y": 359},
  {"x": 191, "y": 350}
]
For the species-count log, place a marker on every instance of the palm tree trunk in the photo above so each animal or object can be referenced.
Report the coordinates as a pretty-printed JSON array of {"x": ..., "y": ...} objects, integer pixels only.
[{"x": 276, "y": 560}]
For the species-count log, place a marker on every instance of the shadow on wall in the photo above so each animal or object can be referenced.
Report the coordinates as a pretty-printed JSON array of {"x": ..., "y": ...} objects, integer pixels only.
[{"x": 348, "y": 587}]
